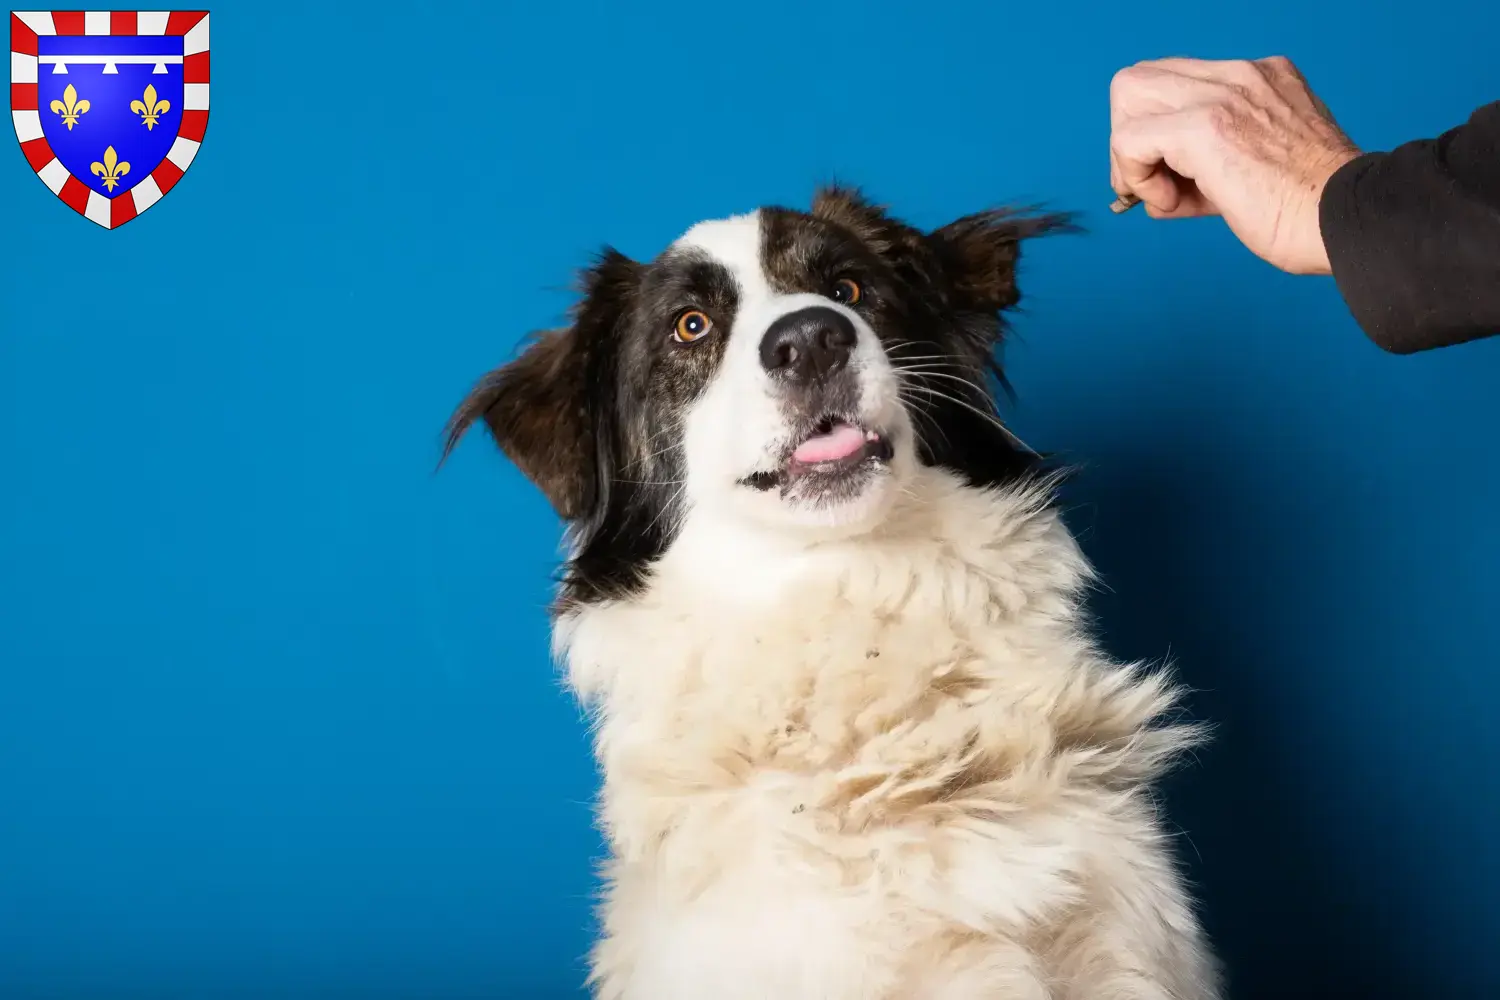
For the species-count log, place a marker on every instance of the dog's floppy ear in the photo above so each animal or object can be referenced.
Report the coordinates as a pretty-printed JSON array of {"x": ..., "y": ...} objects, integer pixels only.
[
  {"x": 535, "y": 410},
  {"x": 979, "y": 253},
  {"x": 544, "y": 408}
]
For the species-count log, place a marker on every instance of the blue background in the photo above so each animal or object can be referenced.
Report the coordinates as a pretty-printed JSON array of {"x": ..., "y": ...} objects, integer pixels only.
[{"x": 276, "y": 716}]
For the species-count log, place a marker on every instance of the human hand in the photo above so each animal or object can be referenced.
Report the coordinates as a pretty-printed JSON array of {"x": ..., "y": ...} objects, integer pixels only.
[{"x": 1247, "y": 141}]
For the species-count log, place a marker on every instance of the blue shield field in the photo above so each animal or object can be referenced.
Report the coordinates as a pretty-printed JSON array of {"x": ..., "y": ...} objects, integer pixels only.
[{"x": 110, "y": 105}]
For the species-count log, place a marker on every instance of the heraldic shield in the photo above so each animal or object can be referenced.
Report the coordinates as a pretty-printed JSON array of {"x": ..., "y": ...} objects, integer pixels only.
[{"x": 110, "y": 106}]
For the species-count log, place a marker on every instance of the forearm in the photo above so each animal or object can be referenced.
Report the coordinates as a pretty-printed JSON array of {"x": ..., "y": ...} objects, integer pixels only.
[{"x": 1413, "y": 237}]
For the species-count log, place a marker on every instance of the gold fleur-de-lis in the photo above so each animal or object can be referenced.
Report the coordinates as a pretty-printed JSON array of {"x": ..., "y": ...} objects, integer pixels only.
[
  {"x": 111, "y": 170},
  {"x": 70, "y": 107},
  {"x": 150, "y": 109}
]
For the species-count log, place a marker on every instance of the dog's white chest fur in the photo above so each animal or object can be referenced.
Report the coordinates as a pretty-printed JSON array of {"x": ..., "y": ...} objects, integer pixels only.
[{"x": 887, "y": 767}]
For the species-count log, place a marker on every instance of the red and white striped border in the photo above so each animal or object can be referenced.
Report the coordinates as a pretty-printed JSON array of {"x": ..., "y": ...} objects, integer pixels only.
[{"x": 26, "y": 25}]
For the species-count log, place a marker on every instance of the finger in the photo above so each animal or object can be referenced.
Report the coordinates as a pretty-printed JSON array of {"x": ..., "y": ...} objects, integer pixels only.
[
  {"x": 1141, "y": 172},
  {"x": 1190, "y": 202},
  {"x": 1155, "y": 152},
  {"x": 1125, "y": 199},
  {"x": 1146, "y": 90},
  {"x": 1161, "y": 189},
  {"x": 1239, "y": 80},
  {"x": 1271, "y": 74},
  {"x": 1222, "y": 71}
]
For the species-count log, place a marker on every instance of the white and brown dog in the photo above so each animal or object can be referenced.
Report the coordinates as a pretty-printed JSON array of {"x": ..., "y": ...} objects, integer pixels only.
[{"x": 857, "y": 743}]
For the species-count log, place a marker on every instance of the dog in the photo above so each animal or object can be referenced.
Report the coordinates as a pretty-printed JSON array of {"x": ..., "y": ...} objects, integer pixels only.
[{"x": 856, "y": 740}]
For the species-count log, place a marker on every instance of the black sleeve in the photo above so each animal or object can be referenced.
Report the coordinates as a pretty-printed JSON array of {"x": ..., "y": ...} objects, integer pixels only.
[{"x": 1413, "y": 237}]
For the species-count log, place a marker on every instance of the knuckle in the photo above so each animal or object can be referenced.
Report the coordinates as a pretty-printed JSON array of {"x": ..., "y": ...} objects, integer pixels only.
[
  {"x": 1250, "y": 77},
  {"x": 1241, "y": 70},
  {"x": 1279, "y": 68},
  {"x": 1124, "y": 80}
]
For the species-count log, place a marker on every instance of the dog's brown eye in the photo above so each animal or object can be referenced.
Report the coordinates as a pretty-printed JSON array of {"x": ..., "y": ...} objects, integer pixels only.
[
  {"x": 691, "y": 325},
  {"x": 846, "y": 291}
]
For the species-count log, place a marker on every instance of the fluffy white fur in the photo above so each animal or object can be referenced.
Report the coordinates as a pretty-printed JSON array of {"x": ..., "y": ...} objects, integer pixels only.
[{"x": 871, "y": 752}]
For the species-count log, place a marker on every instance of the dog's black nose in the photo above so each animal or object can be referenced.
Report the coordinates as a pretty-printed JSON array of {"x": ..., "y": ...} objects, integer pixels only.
[{"x": 809, "y": 344}]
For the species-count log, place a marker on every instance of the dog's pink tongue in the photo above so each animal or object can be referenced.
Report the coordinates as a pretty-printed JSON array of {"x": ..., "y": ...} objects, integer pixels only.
[{"x": 841, "y": 442}]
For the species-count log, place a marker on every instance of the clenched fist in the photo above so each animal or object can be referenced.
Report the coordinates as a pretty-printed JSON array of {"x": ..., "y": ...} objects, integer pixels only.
[{"x": 1244, "y": 140}]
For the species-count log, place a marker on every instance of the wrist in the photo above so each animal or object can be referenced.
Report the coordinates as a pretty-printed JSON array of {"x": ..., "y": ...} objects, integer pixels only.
[{"x": 1313, "y": 257}]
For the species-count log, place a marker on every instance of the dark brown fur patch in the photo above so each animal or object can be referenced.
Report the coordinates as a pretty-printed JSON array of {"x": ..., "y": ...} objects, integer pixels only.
[
  {"x": 542, "y": 408},
  {"x": 850, "y": 210},
  {"x": 534, "y": 410},
  {"x": 979, "y": 254},
  {"x": 680, "y": 280}
]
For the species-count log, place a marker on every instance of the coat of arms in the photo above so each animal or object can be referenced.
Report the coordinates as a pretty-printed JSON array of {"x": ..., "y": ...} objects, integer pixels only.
[{"x": 110, "y": 106}]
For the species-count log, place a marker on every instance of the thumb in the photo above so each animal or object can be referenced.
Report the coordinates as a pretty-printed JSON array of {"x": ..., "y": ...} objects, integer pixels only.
[
  {"x": 1191, "y": 202},
  {"x": 1156, "y": 158}
]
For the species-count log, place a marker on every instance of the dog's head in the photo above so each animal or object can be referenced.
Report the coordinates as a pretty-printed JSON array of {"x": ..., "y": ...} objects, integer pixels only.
[{"x": 786, "y": 370}]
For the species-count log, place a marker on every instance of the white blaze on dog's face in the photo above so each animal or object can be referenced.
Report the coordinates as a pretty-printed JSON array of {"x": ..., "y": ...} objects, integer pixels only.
[
  {"x": 802, "y": 424},
  {"x": 780, "y": 371}
]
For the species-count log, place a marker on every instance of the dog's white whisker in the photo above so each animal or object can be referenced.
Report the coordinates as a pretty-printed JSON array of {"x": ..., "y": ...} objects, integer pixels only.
[
  {"x": 925, "y": 411},
  {"x": 989, "y": 417}
]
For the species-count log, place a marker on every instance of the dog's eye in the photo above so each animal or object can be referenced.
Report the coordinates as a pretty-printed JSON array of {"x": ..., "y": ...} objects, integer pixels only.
[
  {"x": 846, "y": 291},
  {"x": 691, "y": 325}
]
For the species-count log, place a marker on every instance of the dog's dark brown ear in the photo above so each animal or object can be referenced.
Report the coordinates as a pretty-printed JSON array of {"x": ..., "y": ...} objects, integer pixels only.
[
  {"x": 979, "y": 253},
  {"x": 544, "y": 408},
  {"x": 535, "y": 410}
]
